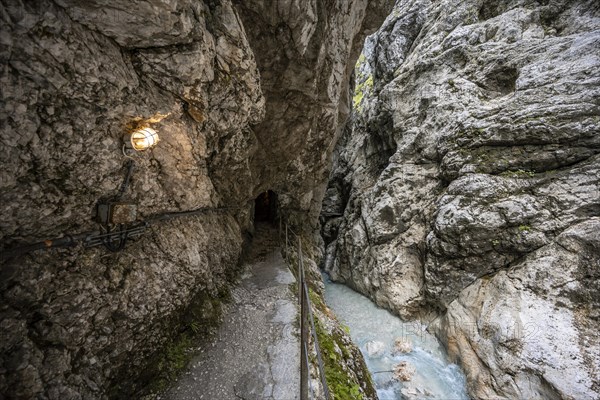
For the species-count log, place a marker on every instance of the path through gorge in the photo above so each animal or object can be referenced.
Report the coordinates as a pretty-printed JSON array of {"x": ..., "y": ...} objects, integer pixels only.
[
  {"x": 255, "y": 354},
  {"x": 441, "y": 158}
]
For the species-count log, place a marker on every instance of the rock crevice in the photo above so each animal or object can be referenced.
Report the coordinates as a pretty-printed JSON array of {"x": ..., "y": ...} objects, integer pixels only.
[
  {"x": 493, "y": 168},
  {"x": 245, "y": 97}
]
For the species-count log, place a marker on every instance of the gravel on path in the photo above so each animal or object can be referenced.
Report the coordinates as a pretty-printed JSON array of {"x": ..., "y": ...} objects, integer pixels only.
[{"x": 255, "y": 354}]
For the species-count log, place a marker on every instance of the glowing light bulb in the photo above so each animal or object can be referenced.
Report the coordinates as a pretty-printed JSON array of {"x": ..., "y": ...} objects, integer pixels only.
[{"x": 142, "y": 139}]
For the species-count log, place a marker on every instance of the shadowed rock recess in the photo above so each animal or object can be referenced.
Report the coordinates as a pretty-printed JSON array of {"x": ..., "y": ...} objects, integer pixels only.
[
  {"x": 466, "y": 188},
  {"x": 246, "y": 96}
]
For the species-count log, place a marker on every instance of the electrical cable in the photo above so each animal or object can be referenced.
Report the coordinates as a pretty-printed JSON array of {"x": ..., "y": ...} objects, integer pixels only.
[
  {"x": 106, "y": 237},
  {"x": 130, "y": 165},
  {"x": 122, "y": 239}
]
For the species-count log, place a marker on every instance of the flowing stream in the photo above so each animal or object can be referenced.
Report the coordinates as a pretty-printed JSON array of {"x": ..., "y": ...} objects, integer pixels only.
[{"x": 375, "y": 331}]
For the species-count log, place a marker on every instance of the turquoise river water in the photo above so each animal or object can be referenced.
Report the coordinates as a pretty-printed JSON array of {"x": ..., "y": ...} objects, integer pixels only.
[{"x": 375, "y": 331}]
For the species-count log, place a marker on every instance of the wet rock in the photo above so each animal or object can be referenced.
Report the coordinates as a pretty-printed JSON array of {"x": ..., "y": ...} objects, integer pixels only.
[
  {"x": 470, "y": 158},
  {"x": 403, "y": 345},
  {"x": 404, "y": 371},
  {"x": 415, "y": 393},
  {"x": 240, "y": 106},
  {"x": 374, "y": 349}
]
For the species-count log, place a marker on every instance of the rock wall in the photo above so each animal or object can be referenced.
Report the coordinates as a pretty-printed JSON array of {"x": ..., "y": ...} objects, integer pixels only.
[
  {"x": 242, "y": 95},
  {"x": 303, "y": 50},
  {"x": 466, "y": 187}
]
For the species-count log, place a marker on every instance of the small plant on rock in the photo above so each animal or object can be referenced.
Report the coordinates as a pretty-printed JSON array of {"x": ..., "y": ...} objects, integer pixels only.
[{"x": 524, "y": 228}]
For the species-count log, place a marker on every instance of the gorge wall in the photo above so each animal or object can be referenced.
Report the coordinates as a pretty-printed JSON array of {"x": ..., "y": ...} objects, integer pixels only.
[
  {"x": 465, "y": 188},
  {"x": 245, "y": 97}
]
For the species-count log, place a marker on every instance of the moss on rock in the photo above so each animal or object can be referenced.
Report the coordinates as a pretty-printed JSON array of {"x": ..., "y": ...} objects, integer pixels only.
[
  {"x": 337, "y": 356},
  {"x": 197, "y": 324}
]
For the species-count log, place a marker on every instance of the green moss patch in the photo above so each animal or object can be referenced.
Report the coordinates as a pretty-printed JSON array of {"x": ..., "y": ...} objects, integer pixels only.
[
  {"x": 196, "y": 326},
  {"x": 360, "y": 90},
  {"x": 333, "y": 349}
]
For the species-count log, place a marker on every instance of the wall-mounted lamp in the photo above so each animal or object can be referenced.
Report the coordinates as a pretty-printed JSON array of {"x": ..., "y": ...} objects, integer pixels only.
[
  {"x": 113, "y": 214},
  {"x": 141, "y": 139}
]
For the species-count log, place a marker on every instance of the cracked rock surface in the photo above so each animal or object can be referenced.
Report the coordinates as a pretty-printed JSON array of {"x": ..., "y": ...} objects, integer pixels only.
[
  {"x": 467, "y": 187},
  {"x": 246, "y": 96}
]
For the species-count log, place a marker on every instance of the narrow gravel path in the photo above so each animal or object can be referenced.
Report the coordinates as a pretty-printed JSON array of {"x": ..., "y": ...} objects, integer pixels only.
[{"x": 255, "y": 355}]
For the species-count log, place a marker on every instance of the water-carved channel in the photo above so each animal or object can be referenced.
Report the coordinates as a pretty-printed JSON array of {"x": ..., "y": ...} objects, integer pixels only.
[{"x": 406, "y": 361}]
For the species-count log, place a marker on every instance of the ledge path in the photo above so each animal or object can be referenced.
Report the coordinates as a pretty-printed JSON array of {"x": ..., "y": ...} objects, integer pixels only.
[{"x": 255, "y": 355}]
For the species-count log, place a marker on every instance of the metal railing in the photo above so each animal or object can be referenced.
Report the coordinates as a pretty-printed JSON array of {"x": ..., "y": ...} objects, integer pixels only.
[
  {"x": 306, "y": 317},
  {"x": 98, "y": 238}
]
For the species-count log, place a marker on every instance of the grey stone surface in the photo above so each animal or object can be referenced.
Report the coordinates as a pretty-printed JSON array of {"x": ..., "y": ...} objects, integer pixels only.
[
  {"x": 471, "y": 157},
  {"x": 305, "y": 52},
  {"x": 245, "y": 96},
  {"x": 256, "y": 352}
]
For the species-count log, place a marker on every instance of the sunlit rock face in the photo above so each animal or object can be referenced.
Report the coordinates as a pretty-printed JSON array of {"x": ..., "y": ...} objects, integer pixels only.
[
  {"x": 467, "y": 187},
  {"x": 245, "y": 97}
]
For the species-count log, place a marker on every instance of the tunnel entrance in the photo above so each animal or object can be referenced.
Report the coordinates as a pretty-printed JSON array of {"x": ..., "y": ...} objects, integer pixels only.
[{"x": 265, "y": 207}]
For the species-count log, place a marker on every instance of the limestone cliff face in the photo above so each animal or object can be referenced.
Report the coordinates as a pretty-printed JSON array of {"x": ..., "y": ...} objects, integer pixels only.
[
  {"x": 303, "y": 49},
  {"x": 241, "y": 94},
  {"x": 467, "y": 187}
]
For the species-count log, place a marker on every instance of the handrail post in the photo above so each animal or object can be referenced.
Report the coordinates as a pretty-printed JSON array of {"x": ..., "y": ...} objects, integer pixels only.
[
  {"x": 317, "y": 347},
  {"x": 300, "y": 271},
  {"x": 287, "y": 255},
  {"x": 303, "y": 327},
  {"x": 306, "y": 318}
]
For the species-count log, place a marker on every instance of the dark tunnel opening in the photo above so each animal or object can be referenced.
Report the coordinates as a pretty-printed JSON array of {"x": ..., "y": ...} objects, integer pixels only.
[{"x": 265, "y": 207}]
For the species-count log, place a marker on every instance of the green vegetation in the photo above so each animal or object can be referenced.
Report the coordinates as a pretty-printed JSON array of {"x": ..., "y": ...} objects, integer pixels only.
[
  {"x": 198, "y": 322},
  {"x": 340, "y": 386},
  {"x": 316, "y": 300},
  {"x": 361, "y": 60},
  {"x": 176, "y": 356},
  {"x": 524, "y": 228},
  {"x": 195, "y": 327},
  {"x": 357, "y": 68},
  {"x": 360, "y": 90},
  {"x": 346, "y": 328}
]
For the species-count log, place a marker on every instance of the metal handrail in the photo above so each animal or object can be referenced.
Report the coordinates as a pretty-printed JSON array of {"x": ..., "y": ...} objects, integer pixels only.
[
  {"x": 97, "y": 238},
  {"x": 306, "y": 316}
]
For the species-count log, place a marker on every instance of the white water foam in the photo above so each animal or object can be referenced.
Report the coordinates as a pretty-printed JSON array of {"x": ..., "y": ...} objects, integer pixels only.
[{"x": 434, "y": 376}]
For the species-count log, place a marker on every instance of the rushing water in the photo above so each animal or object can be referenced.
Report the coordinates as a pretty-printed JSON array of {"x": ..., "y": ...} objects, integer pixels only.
[{"x": 376, "y": 330}]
